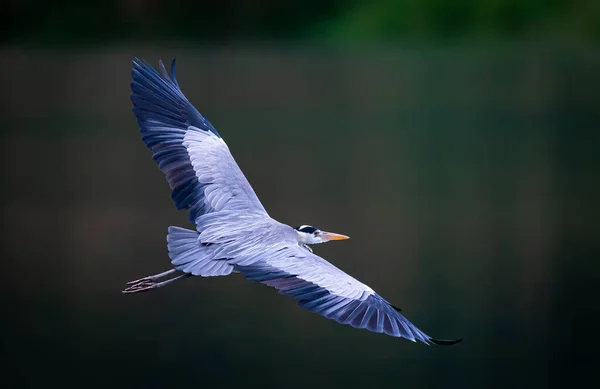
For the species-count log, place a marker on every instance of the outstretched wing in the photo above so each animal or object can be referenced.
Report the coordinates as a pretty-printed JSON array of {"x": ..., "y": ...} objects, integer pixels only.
[
  {"x": 322, "y": 288},
  {"x": 200, "y": 170}
]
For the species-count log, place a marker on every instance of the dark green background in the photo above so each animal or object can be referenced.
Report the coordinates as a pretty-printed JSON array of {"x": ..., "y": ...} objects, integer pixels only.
[{"x": 455, "y": 142}]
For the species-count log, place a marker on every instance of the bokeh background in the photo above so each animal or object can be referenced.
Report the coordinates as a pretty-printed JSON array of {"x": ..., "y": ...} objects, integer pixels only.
[{"x": 456, "y": 142}]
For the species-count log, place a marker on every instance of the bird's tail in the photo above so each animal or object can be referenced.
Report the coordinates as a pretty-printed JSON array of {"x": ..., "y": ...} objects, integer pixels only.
[{"x": 191, "y": 256}]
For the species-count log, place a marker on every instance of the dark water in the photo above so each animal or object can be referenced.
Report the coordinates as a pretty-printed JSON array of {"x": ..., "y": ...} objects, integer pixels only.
[{"x": 467, "y": 179}]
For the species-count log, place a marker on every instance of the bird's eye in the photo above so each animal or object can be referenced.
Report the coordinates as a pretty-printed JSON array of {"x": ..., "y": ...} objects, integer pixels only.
[{"x": 316, "y": 233}]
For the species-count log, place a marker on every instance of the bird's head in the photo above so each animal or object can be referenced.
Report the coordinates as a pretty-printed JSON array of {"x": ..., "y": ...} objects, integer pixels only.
[{"x": 312, "y": 235}]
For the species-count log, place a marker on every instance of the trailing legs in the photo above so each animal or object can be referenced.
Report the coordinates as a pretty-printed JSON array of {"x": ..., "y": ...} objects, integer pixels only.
[{"x": 149, "y": 283}]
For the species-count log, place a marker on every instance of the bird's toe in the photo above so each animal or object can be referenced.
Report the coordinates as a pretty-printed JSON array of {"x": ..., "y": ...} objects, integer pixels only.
[{"x": 142, "y": 285}]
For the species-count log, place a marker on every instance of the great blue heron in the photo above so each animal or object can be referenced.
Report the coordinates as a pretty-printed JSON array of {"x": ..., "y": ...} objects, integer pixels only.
[{"x": 233, "y": 232}]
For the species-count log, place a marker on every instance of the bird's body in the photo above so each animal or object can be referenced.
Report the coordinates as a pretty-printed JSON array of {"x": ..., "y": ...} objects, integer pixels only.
[{"x": 233, "y": 232}]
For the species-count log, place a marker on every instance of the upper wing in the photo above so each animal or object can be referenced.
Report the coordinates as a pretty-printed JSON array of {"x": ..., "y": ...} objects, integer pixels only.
[
  {"x": 201, "y": 171},
  {"x": 322, "y": 288}
]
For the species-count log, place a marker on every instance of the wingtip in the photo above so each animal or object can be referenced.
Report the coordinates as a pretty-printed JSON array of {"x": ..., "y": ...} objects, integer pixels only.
[
  {"x": 173, "y": 74},
  {"x": 163, "y": 70},
  {"x": 137, "y": 62},
  {"x": 445, "y": 342}
]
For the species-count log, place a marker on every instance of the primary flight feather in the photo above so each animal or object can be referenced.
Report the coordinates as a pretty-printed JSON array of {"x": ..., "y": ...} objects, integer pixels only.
[{"x": 233, "y": 232}]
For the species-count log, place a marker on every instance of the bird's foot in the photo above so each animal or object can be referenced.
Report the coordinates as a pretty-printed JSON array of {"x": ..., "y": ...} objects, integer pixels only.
[
  {"x": 142, "y": 285},
  {"x": 148, "y": 283}
]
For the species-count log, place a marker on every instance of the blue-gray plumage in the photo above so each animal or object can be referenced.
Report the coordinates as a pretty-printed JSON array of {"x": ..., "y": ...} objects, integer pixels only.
[{"x": 233, "y": 232}]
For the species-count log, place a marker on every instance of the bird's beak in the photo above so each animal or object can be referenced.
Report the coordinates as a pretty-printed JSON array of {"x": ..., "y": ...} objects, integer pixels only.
[{"x": 333, "y": 236}]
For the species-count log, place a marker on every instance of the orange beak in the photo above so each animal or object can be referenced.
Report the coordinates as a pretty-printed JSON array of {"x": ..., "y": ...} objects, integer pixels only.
[{"x": 333, "y": 236}]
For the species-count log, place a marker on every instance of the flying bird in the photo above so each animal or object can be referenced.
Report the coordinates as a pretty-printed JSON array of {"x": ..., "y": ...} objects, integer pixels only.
[{"x": 234, "y": 233}]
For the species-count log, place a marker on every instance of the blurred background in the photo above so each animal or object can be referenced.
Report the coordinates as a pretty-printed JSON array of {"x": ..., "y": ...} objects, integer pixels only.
[{"x": 456, "y": 142}]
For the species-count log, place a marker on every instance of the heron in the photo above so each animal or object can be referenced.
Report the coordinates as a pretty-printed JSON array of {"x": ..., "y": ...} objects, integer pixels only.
[{"x": 234, "y": 233}]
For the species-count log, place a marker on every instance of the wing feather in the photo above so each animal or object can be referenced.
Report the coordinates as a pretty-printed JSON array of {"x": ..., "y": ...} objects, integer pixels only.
[
  {"x": 197, "y": 163},
  {"x": 322, "y": 288}
]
